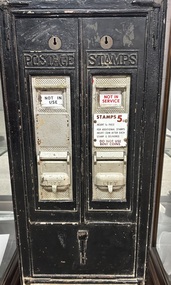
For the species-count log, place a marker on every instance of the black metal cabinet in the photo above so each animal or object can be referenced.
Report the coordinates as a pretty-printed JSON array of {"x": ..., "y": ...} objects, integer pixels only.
[{"x": 82, "y": 89}]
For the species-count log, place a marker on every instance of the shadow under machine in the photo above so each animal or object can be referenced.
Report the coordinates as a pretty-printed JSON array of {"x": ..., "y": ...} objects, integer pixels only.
[{"x": 81, "y": 82}]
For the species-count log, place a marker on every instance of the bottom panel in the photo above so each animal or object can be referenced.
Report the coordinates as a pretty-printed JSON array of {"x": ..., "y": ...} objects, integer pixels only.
[{"x": 89, "y": 249}]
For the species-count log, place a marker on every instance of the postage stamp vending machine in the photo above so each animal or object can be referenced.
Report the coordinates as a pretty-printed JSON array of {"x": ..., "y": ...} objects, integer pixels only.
[{"x": 81, "y": 85}]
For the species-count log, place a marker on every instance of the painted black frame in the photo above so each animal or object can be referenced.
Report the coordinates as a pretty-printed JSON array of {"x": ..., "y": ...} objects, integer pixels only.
[
  {"x": 156, "y": 270},
  {"x": 149, "y": 131}
]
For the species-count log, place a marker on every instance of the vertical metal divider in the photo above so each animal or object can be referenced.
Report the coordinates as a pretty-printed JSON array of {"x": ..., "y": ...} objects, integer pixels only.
[
  {"x": 25, "y": 238},
  {"x": 82, "y": 118}
]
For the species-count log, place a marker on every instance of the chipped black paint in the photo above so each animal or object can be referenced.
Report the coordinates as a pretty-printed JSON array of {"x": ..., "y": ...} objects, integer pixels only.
[{"x": 83, "y": 241}]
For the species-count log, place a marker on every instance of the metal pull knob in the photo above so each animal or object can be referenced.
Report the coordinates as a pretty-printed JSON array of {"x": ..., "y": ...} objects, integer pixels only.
[
  {"x": 110, "y": 188},
  {"x": 82, "y": 236}
]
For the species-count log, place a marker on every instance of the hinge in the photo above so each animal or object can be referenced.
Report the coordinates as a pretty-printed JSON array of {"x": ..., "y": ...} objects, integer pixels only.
[{"x": 150, "y": 3}]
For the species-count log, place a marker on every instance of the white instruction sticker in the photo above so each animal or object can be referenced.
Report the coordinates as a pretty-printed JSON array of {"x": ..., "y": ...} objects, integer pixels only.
[
  {"x": 108, "y": 98},
  {"x": 51, "y": 100},
  {"x": 110, "y": 130}
]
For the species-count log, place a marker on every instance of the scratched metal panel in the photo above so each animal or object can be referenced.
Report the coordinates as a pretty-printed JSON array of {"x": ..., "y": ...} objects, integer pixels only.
[
  {"x": 125, "y": 33},
  {"x": 50, "y": 128},
  {"x": 125, "y": 57},
  {"x": 86, "y": 4},
  {"x": 54, "y": 125},
  {"x": 57, "y": 250}
]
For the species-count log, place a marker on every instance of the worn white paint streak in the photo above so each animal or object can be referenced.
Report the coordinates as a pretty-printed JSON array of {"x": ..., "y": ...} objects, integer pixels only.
[
  {"x": 69, "y": 11},
  {"x": 129, "y": 36}
]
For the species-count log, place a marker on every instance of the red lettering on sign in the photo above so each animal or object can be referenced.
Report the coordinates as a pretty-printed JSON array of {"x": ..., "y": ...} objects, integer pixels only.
[
  {"x": 110, "y": 101},
  {"x": 110, "y": 96}
]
